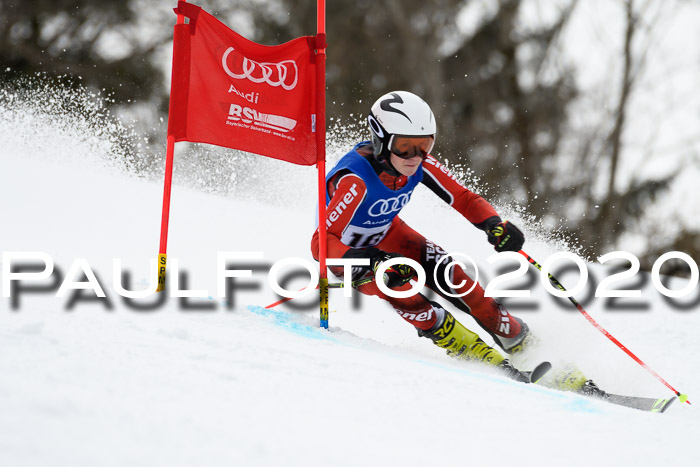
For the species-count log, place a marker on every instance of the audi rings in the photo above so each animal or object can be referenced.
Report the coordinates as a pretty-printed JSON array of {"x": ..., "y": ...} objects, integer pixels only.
[
  {"x": 384, "y": 207},
  {"x": 274, "y": 74}
]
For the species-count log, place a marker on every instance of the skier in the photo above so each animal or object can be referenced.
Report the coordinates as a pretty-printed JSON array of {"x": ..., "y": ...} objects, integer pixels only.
[{"x": 367, "y": 189}]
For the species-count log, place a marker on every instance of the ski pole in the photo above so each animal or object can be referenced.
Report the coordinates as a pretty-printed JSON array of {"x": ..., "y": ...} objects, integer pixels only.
[
  {"x": 557, "y": 284},
  {"x": 337, "y": 285}
]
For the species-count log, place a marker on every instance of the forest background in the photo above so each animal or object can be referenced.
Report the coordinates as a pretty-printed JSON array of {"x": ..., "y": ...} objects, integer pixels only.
[{"x": 584, "y": 114}]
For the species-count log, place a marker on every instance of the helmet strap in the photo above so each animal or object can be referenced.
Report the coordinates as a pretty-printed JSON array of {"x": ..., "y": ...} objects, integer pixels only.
[
  {"x": 381, "y": 139},
  {"x": 384, "y": 160}
]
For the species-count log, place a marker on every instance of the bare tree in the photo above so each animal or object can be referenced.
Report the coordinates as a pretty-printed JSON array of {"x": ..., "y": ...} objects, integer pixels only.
[{"x": 614, "y": 207}]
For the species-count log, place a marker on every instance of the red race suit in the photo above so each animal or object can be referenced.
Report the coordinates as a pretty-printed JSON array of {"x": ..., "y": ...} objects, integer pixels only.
[{"x": 349, "y": 188}]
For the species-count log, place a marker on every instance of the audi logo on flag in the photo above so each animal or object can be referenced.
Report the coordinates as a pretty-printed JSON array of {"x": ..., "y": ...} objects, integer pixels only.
[
  {"x": 284, "y": 73},
  {"x": 383, "y": 207}
]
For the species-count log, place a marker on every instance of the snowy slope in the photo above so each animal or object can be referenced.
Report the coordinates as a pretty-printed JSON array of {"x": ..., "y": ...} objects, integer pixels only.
[{"x": 92, "y": 382}]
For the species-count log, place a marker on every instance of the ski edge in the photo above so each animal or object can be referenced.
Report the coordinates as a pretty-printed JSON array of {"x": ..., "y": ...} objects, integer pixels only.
[{"x": 646, "y": 404}]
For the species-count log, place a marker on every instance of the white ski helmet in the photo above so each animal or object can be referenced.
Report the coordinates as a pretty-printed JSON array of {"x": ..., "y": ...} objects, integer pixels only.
[{"x": 399, "y": 113}]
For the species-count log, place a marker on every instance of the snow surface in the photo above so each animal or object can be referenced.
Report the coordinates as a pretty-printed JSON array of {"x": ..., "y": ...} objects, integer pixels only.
[{"x": 97, "y": 383}]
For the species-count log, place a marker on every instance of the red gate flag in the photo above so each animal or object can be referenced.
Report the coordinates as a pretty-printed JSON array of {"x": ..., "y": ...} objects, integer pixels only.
[{"x": 231, "y": 92}]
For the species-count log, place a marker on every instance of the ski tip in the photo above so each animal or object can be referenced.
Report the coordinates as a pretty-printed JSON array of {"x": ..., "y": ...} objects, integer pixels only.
[
  {"x": 667, "y": 404},
  {"x": 539, "y": 371},
  {"x": 661, "y": 405}
]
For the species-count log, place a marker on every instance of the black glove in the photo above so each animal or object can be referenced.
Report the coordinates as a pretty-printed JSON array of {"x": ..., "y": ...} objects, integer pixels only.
[
  {"x": 504, "y": 236},
  {"x": 397, "y": 274}
]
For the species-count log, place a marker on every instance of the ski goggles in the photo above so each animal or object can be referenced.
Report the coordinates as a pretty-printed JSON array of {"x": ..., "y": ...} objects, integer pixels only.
[{"x": 408, "y": 147}]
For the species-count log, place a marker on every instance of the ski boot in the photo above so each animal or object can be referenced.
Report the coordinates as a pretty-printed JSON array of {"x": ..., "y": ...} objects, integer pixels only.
[
  {"x": 459, "y": 342},
  {"x": 568, "y": 378},
  {"x": 524, "y": 339}
]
